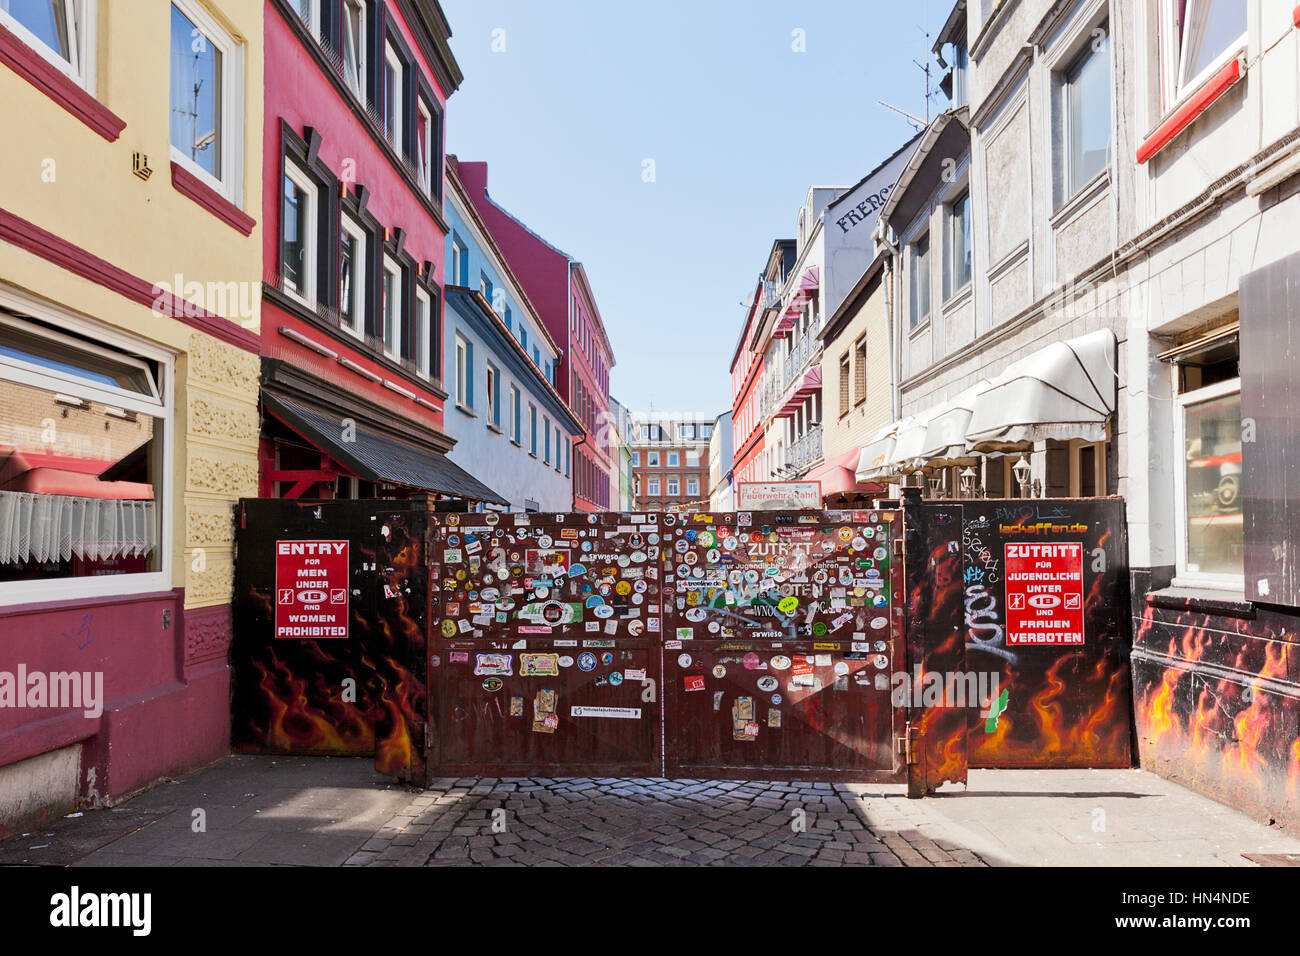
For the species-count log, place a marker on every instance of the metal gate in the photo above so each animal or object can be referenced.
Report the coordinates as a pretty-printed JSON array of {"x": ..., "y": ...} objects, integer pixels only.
[
  {"x": 782, "y": 631},
  {"x": 547, "y": 658},
  {"x": 873, "y": 645}
]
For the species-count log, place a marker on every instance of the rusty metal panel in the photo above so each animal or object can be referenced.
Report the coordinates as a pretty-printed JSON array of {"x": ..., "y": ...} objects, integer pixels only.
[
  {"x": 936, "y": 645},
  {"x": 1064, "y": 692},
  {"x": 781, "y": 631},
  {"x": 546, "y": 658},
  {"x": 362, "y": 694}
]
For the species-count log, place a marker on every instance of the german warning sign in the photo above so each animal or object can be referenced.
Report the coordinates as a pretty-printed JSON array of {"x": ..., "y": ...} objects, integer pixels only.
[
  {"x": 1045, "y": 593},
  {"x": 311, "y": 589}
]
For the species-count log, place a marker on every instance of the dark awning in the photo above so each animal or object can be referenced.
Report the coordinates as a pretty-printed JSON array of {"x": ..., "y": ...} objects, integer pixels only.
[{"x": 374, "y": 456}]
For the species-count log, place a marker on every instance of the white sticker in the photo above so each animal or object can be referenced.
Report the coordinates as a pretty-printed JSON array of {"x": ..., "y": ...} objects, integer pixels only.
[
  {"x": 627, "y": 713},
  {"x": 684, "y": 660}
]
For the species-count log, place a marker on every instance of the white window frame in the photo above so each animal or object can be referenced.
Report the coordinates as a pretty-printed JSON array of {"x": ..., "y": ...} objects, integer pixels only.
[
  {"x": 312, "y": 18},
  {"x": 1070, "y": 63},
  {"x": 953, "y": 288},
  {"x": 354, "y": 230},
  {"x": 392, "y": 61},
  {"x": 458, "y": 253},
  {"x": 546, "y": 444},
  {"x": 1173, "y": 60},
  {"x": 311, "y": 196},
  {"x": 392, "y": 268},
  {"x": 652, "y": 459},
  {"x": 915, "y": 319},
  {"x": 463, "y": 371},
  {"x": 357, "y": 46},
  {"x": 423, "y": 331},
  {"x": 652, "y": 487},
  {"x": 82, "y": 24},
  {"x": 516, "y": 416},
  {"x": 161, "y": 410},
  {"x": 231, "y": 182},
  {"x": 493, "y": 384},
  {"x": 1183, "y": 577},
  {"x": 424, "y": 164},
  {"x": 696, "y": 483},
  {"x": 674, "y": 460}
]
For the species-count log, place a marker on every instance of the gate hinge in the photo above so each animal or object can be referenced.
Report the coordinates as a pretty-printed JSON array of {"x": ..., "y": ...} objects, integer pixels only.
[
  {"x": 900, "y": 547},
  {"x": 907, "y": 745}
]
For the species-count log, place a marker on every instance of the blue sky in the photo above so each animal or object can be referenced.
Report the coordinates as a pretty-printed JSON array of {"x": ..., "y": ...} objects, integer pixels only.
[{"x": 738, "y": 125}]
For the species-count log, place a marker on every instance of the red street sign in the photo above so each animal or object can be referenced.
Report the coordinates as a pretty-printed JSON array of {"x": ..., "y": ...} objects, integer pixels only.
[
  {"x": 311, "y": 589},
  {"x": 1045, "y": 593}
]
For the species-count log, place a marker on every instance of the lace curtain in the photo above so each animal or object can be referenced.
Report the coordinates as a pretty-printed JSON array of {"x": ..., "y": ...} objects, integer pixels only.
[{"x": 36, "y": 527}]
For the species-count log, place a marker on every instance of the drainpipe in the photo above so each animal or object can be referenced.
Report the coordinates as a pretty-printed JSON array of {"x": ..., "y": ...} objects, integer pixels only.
[{"x": 895, "y": 348}]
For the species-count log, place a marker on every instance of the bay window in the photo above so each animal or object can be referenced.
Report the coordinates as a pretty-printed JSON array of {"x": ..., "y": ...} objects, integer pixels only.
[
  {"x": 206, "y": 99},
  {"x": 83, "y": 491}
]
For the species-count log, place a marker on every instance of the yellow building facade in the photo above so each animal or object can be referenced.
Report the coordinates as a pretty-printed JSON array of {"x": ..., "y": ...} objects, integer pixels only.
[{"x": 130, "y": 274}]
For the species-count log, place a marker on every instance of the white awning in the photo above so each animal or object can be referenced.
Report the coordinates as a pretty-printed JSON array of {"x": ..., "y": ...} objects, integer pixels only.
[
  {"x": 945, "y": 439},
  {"x": 874, "y": 462},
  {"x": 911, "y": 441},
  {"x": 1064, "y": 391}
]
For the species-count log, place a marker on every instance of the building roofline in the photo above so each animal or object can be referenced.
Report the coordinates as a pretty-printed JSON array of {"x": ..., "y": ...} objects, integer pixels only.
[{"x": 879, "y": 166}]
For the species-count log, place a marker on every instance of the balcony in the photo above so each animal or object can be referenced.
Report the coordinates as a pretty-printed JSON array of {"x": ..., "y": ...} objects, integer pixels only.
[{"x": 800, "y": 456}]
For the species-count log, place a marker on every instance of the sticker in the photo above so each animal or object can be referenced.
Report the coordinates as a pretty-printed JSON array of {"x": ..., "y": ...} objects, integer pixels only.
[
  {"x": 492, "y": 684},
  {"x": 449, "y": 628},
  {"x": 767, "y": 683},
  {"x": 773, "y": 718},
  {"x": 841, "y": 668},
  {"x": 719, "y": 671},
  {"x": 565, "y": 661},
  {"x": 780, "y": 662},
  {"x": 586, "y": 661},
  {"x": 693, "y": 682},
  {"x": 788, "y": 605},
  {"x": 634, "y": 673},
  {"x": 683, "y": 660},
  {"x": 459, "y": 657},
  {"x": 878, "y": 622},
  {"x": 626, "y": 713},
  {"x": 607, "y": 658},
  {"x": 751, "y": 661},
  {"x": 777, "y": 698},
  {"x": 539, "y": 665},
  {"x": 516, "y": 706},
  {"x": 615, "y": 678},
  {"x": 493, "y": 664}
]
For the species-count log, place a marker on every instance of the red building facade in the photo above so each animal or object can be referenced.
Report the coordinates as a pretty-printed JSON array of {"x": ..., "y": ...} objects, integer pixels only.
[
  {"x": 558, "y": 287},
  {"x": 746, "y": 413},
  {"x": 354, "y": 244}
]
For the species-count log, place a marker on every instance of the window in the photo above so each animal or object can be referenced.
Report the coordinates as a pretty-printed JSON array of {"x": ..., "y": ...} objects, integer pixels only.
[
  {"x": 515, "y": 425},
  {"x": 652, "y": 460},
  {"x": 1085, "y": 90},
  {"x": 91, "y": 408},
  {"x": 537, "y": 356},
  {"x": 309, "y": 12},
  {"x": 354, "y": 46},
  {"x": 1200, "y": 36},
  {"x": 920, "y": 282},
  {"x": 674, "y": 485},
  {"x": 860, "y": 371},
  {"x": 508, "y": 319},
  {"x": 692, "y": 459},
  {"x": 394, "y": 96},
  {"x": 1209, "y": 484},
  {"x": 844, "y": 383},
  {"x": 392, "y": 330},
  {"x": 485, "y": 286},
  {"x": 424, "y": 146},
  {"x": 61, "y": 31},
  {"x": 423, "y": 333},
  {"x": 352, "y": 276},
  {"x": 464, "y": 373},
  {"x": 959, "y": 248},
  {"x": 493, "y": 395},
  {"x": 674, "y": 460},
  {"x": 566, "y": 459},
  {"x": 297, "y": 227},
  {"x": 652, "y": 487},
  {"x": 636, "y": 459},
  {"x": 557, "y": 448},
  {"x": 459, "y": 262},
  {"x": 532, "y": 429},
  {"x": 692, "y": 486},
  {"x": 523, "y": 336},
  {"x": 206, "y": 99},
  {"x": 688, "y": 432},
  {"x": 546, "y": 431},
  {"x": 705, "y": 431}
]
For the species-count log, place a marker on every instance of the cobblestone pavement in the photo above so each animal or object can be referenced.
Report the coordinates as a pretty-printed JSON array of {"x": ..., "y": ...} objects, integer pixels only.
[{"x": 656, "y": 822}]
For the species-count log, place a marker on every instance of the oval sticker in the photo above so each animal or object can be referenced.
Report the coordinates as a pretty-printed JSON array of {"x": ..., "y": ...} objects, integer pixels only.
[{"x": 780, "y": 662}]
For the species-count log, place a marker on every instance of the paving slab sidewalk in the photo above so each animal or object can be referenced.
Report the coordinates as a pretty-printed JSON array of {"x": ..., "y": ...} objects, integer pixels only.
[{"x": 320, "y": 811}]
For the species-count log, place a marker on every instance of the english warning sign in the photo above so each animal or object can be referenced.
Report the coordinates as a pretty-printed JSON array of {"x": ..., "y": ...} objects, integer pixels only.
[
  {"x": 311, "y": 589},
  {"x": 1044, "y": 593}
]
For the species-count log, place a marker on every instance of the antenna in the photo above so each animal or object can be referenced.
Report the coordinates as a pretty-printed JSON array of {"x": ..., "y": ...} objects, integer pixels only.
[{"x": 930, "y": 91}]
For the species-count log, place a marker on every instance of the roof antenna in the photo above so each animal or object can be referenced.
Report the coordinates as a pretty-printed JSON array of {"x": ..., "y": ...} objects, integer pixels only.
[{"x": 930, "y": 91}]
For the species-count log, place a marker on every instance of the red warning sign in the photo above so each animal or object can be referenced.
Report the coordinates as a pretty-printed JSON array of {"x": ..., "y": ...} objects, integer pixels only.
[
  {"x": 311, "y": 589},
  {"x": 1044, "y": 593}
]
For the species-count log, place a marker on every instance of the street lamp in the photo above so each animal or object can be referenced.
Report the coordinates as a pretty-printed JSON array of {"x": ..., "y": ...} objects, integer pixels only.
[
  {"x": 1021, "y": 470},
  {"x": 967, "y": 481}
]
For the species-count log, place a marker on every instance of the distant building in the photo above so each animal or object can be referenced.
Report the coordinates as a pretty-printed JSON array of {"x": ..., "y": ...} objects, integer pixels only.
[
  {"x": 721, "y": 487},
  {"x": 670, "y": 468}
]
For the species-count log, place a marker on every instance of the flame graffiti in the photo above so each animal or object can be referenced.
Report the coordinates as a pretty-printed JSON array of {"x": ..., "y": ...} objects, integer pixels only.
[
  {"x": 1230, "y": 730},
  {"x": 307, "y": 717}
]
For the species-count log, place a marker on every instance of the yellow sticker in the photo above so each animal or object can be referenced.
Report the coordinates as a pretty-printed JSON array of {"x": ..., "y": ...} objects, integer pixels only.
[{"x": 448, "y": 628}]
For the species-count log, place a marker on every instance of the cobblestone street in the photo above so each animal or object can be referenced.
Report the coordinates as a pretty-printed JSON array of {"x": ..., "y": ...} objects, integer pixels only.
[{"x": 651, "y": 822}]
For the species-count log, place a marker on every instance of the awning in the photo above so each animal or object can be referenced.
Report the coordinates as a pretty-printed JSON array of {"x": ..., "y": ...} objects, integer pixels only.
[
  {"x": 374, "y": 456},
  {"x": 836, "y": 476},
  {"x": 911, "y": 441},
  {"x": 945, "y": 438},
  {"x": 1064, "y": 391},
  {"x": 874, "y": 459},
  {"x": 798, "y": 393},
  {"x": 808, "y": 283},
  {"x": 49, "y": 473}
]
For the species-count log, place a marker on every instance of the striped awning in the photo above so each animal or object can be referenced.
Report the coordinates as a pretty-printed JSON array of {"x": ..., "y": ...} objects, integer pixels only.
[
  {"x": 799, "y": 392},
  {"x": 808, "y": 284}
]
